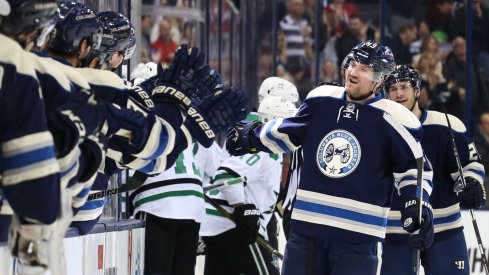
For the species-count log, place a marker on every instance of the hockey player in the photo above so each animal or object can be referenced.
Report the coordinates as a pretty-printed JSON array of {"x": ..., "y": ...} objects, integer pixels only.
[
  {"x": 172, "y": 205},
  {"x": 230, "y": 247},
  {"x": 448, "y": 254},
  {"x": 355, "y": 147},
  {"x": 29, "y": 172},
  {"x": 123, "y": 33}
]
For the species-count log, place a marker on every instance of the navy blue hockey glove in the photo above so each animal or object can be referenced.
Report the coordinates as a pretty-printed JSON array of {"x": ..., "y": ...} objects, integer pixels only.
[
  {"x": 128, "y": 130},
  {"x": 217, "y": 113},
  {"x": 410, "y": 216},
  {"x": 247, "y": 225},
  {"x": 179, "y": 82},
  {"x": 93, "y": 152},
  {"x": 78, "y": 117},
  {"x": 473, "y": 196},
  {"x": 237, "y": 138},
  {"x": 423, "y": 239}
]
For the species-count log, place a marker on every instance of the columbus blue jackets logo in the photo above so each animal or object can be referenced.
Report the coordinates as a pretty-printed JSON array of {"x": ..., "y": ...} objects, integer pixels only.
[{"x": 338, "y": 154}]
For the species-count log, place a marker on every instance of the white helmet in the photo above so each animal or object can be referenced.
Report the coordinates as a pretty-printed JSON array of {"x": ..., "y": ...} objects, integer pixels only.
[
  {"x": 276, "y": 86},
  {"x": 4, "y": 8},
  {"x": 143, "y": 71},
  {"x": 276, "y": 107}
]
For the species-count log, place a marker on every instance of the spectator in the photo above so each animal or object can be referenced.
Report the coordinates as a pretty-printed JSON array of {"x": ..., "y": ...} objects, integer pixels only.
[
  {"x": 480, "y": 32},
  {"x": 164, "y": 47},
  {"x": 401, "y": 42},
  {"x": 145, "y": 44},
  {"x": 423, "y": 32},
  {"x": 402, "y": 13},
  {"x": 434, "y": 82},
  {"x": 431, "y": 44},
  {"x": 439, "y": 15},
  {"x": 297, "y": 33},
  {"x": 454, "y": 72},
  {"x": 481, "y": 141},
  {"x": 329, "y": 72},
  {"x": 188, "y": 34},
  {"x": 338, "y": 14},
  {"x": 357, "y": 32}
]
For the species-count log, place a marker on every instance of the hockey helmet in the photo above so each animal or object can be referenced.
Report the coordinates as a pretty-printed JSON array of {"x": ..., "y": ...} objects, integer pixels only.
[
  {"x": 276, "y": 107},
  {"x": 143, "y": 71},
  {"x": 40, "y": 15},
  {"x": 374, "y": 55},
  {"x": 276, "y": 86},
  {"x": 122, "y": 30},
  {"x": 404, "y": 73},
  {"x": 77, "y": 21},
  {"x": 4, "y": 8}
]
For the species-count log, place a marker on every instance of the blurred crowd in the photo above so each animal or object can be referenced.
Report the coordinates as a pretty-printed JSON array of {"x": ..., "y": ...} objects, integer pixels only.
[{"x": 434, "y": 43}]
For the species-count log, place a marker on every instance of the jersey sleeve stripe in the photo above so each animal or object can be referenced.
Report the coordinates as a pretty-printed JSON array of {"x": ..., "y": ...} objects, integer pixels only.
[
  {"x": 272, "y": 138},
  {"x": 30, "y": 172},
  {"x": 27, "y": 143}
]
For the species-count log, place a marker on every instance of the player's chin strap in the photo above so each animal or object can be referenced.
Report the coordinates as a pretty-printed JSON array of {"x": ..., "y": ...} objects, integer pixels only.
[{"x": 462, "y": 180}]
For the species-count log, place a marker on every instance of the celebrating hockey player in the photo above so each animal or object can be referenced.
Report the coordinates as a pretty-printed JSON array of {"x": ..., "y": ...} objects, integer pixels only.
[
  {"x": 356, "y": 145},
  {"x": 448, "y": 254}
]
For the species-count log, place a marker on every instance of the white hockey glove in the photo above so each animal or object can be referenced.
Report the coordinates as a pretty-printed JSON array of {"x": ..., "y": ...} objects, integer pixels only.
[{"x": 38, "y": 247}]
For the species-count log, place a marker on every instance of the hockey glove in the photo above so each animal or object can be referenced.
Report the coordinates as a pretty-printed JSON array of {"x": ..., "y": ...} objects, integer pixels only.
[
  {"x": 410, "y": 221},
  {"x": 178, "y": 83},
  {"x": 424, "y": 238},
  {"x": 247, "y": 225},
  {"x": 237, "y": 138},
  {"x": 215, "y": 114},
  {"x": 77, "y": 118},
  {"x": 128, "y": 130},
  {"x": 473, "y": 196}
]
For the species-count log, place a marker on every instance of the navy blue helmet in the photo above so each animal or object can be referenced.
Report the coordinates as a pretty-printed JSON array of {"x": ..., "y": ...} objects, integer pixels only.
[
  {"x": 107, "y": 47},
  {"x": 122, "y": 30},
  {"x": 374, "y": 55},
  {"x": 404, "y": 73},
  {"x": 77, "y": 21},
  {"x": 27, "y": 16}
]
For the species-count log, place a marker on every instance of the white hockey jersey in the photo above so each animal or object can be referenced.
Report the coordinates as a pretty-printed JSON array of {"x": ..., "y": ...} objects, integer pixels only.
[
  {"x": 263, "y": 172},
  {"x": 177, "y": 192}
]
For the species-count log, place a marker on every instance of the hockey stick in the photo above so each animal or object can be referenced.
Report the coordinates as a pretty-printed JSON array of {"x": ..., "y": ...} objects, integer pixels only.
[
  {"x": 224, "y": 183},
  {"x": 419, "y": 184},
  {"x": 133, "y": 182},
  {"x": 259, "y": 240},
  {"x": 462, "y": 180}
]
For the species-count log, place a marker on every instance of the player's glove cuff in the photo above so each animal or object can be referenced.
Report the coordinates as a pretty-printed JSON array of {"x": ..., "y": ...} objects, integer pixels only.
[{"x": 238, "y": 140}]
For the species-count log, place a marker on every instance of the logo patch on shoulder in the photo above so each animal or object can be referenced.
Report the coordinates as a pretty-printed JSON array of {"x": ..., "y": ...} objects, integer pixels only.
[{"x": 338, "y": 154}]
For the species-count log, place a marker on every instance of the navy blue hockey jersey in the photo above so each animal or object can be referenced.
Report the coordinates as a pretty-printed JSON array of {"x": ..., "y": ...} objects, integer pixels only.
[
  {"x": 28, "y": 167},
  {"x": 437, "y": 144},
  {"x": 355, "y": 157}
]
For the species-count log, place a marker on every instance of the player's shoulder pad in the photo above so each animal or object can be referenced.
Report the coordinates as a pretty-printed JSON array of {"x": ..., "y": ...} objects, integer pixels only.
[
  {"x": 400, "y": 113},
  {"x": 71, "y": 73},
  {"x": 12, "y": 53},
  {"x": 438, "y": 118},
  {"x": 327, "y": 91},
  {"x": 102, "y": 78},
  {"x": 47, "y": 68}
]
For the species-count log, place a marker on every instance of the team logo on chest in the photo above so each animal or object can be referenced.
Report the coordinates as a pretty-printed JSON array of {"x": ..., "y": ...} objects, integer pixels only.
[{"x": 338, "y": 154}]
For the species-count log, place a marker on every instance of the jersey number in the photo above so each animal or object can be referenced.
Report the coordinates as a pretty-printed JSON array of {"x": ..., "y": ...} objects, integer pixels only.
[{"x": 180, "y": 167}]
